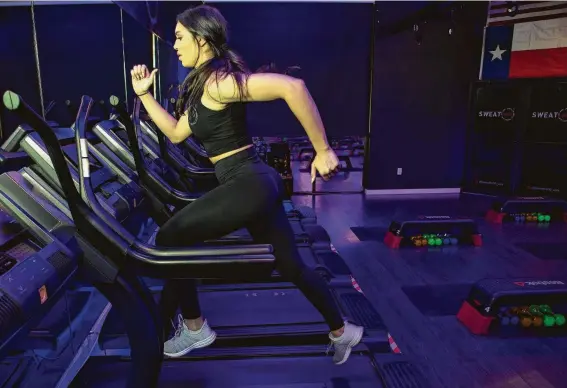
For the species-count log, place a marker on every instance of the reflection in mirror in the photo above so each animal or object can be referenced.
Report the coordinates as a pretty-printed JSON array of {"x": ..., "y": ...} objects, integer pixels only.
[
  {"x": 18, "y": 60},
  {"x": 272, "y": 125},
  {"x": 156, "y": 16},
  {"x": 136, "y": 48},
  {"x": 78, "y": 57},
  {"x": 168, "y": 68},
  {"x": 154, "y": 36}
]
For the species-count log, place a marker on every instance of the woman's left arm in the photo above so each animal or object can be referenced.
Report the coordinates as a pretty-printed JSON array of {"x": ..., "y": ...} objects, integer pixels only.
[{"x": 271, "y": 86}]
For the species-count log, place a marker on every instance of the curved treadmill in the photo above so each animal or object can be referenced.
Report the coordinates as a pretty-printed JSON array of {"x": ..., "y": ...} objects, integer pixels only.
[
  {"x": 116, "y": 183},
  {"x": 108, "y": 172},
  {"x": 123, "y": 198},
  {"x": 260, "y": 320},
  {"x": 39, "y": 261},
  {"x": 237, "y": 311},
  {"x": 197, "y": 153},
  {"x": 278, "y": 366},
  {"x": 114, "y": 134}
]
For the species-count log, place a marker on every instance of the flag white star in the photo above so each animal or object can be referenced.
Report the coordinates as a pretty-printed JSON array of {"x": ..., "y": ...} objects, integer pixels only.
[{"x": 497, "y": 54}]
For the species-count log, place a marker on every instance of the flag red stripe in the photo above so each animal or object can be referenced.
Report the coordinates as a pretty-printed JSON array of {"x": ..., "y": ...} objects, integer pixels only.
[
  {"x": 525, "y": 20},
  {"x": 538, "y": 63},
  {"x": 506, "y": 5},
  {"x": 523, "y": 11}
]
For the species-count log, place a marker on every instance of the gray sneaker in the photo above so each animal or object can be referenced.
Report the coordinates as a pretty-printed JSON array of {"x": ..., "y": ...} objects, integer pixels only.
[
  {"x": 344, "y": 344},
  {"x": 185, "y": 340}
]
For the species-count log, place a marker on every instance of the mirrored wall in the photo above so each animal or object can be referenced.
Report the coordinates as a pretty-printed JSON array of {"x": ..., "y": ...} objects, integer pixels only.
[{"x": 53, "y": 54}]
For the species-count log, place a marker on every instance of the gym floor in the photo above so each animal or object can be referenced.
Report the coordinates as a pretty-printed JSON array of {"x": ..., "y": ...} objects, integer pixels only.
[{"x": 418, "y": 292}]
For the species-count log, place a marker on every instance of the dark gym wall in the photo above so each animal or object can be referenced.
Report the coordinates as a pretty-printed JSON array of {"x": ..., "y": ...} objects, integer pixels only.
[
  {"x": 80, "y": 52},
  {"x": 420, "y": 92},
  {"x": 17, "y": 62},
  {"x": 137, "y": 48},
  {"x": 329, "y": 41},
  {"x": 168, "y": 64},
  {"x": 420, "y": 103}
]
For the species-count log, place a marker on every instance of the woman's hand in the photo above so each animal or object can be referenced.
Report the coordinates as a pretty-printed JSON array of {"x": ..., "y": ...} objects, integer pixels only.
[
  {"x": 142, "y": 79},
  {"x": 326, "y": 163}
]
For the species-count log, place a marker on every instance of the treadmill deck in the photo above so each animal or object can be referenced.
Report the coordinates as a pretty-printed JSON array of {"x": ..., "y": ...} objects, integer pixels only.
[{"x": 294, "y": 371}]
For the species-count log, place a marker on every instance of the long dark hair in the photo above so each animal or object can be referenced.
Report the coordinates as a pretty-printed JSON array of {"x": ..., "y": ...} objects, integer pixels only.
[{"x": 207, "y": 23}]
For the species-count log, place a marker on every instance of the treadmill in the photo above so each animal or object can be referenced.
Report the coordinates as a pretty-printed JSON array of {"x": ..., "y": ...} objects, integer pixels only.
[
  {"x": 264, "y": 300},
  {"x": 43, "y": 312},
  {"x": 126, "y": 201},
  {"x": 199, "y": 158},
  {"x": 11, "y": 155},
  {"x": 305, "y": 229},
  {"x": 307, "y": 234},
  {"x": 115, "y": 189},
  {"x": 39, "y": 260},
  {"x": 195, "y": 165},
  {"x": 113, "y": 133},
  {"x": 191, "y": 150},
  {"x": 311, "y": 238},
  {"x": 115, "y": 268},
  {"x": 260, "y": 366}
]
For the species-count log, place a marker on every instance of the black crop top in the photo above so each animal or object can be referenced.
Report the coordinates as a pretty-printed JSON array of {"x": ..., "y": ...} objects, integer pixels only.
[{"x": 220, "y": 131}]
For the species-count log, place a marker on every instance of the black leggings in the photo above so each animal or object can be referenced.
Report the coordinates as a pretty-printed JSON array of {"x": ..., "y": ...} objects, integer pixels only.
[{"x": 250, "y": 196}]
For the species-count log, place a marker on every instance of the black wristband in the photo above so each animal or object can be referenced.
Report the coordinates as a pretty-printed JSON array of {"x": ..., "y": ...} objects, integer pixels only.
[{"x": 143, "y": 94}]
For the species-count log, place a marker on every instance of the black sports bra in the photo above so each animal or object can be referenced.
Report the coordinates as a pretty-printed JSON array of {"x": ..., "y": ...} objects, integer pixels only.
[{"x": 220, "y": 131}]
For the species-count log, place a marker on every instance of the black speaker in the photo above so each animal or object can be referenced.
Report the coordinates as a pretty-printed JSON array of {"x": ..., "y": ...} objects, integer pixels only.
[
  {"x": 543, "y": 170},
  {"x": 544, "y": 147},
  {"x": 497, "y": 113},
  {"x": 547, "y": 119}
]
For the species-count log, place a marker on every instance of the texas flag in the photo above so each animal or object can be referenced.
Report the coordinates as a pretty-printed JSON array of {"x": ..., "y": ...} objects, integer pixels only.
[{"x": 534, "y": 46}]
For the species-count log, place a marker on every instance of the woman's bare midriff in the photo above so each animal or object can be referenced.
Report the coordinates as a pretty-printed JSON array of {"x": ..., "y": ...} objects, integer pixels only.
[{"x": 229, "y": 153}]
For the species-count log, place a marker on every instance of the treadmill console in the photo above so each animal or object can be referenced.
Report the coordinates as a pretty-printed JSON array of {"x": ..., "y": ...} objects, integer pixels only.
[{"x": 31, "y": 274}]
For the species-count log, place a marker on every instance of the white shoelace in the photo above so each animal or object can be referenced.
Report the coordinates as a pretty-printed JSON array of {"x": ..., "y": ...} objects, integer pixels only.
[
  {"x": 329, "y": 348},
  {"x": 180, "y": 324}
]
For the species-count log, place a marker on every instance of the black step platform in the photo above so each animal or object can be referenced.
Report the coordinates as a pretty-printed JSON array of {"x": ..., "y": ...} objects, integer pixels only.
[
  {"x": 527, "y": 209},
  {"x": 304, "y": 213},
  {"x": 516, "y": 306},
  {"x": 432, "y": 231},
  {"x": 303, "y": 367}
]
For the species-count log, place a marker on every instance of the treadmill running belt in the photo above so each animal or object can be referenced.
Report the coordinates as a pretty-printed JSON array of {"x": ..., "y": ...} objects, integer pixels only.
[
  {"x": 272, "y": 372},
  {"x": 258, "y": 307},
  {"x": 240, "y": 315}
]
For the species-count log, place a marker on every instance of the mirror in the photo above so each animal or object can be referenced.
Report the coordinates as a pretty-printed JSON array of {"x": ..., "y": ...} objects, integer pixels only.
[{"x": 93, "y": 46}]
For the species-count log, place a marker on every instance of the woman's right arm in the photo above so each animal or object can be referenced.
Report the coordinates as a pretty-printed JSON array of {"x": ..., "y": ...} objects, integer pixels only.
[{"x": 176, "y": 130}]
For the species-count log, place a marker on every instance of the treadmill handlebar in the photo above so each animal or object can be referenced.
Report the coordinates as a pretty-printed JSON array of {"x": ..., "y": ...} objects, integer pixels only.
[
  {"x": 15, "y": 103},
  {"x": 172, "y": 253},
  {"x": 83, "y": 117},
  {"x": 85, "y": 184},
  {"x": 197, "y": 148},
  {"x": 166, "y": 153},
  {"x": 134, "y": 136},
  {"x": 148, "y": 177},
  {"x": 182, "y": 262}
]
